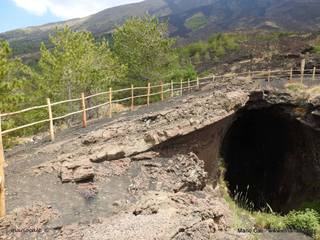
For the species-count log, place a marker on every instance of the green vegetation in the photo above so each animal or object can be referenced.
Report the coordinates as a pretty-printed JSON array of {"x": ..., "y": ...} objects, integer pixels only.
[
  {"x": 13, "y": 76},
  {"x": 14, "y": 83},
  {"x": 316, "y": 47},
  {"x": 267, "y": 220},
  {"x": 73, "y": 62},
  {"x": 76, "y": 64},
  {"x": 306, "y": 220},
  {"x": 222, "y": 44},
  {"x": 295, "y": 87},
  {"x": 272, "y": 36},
  {"x": 196, "y": 21},
  {"x": 29, "y": 46},
  {"x": 214, "y": 49},
  {"x": 144, "y": 46}
]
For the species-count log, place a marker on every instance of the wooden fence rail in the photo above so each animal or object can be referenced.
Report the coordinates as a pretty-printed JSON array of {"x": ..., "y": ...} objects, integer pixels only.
[{"x": 172, "y": 88}]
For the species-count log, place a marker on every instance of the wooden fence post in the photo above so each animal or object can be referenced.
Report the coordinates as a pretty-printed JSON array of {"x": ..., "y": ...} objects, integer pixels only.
[
  {"x": 132, "y": 97},
  {"x": 2, "y": 189},
  {"x": 291, "y": 75},
  {"x": 148, "y": 94},
  {"x": 213, "y": 77},
  {"x": 303, "y": 64},
  {"x": 181, "y": 86},
  {"x": 189, "y": 85},
  {"x": 162, "y": 97},
  {"x": 198, "y": 83},
  {"x": 110, "y": 102},
  {"x": 172, "y": 89},
  {"x": 51, "y": 129},
  {"x": 84, "y": 111},
  {"x": 314, "y": 74}
]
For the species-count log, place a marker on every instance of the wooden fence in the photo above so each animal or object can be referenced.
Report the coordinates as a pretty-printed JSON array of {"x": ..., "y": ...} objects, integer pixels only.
[
  {"x": 170, "y": 90},
  {"x": 174, "y": 88}
]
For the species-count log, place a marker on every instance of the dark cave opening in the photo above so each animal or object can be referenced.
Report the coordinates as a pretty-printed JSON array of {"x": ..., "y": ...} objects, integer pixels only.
[{"x": 270, "y": 159}]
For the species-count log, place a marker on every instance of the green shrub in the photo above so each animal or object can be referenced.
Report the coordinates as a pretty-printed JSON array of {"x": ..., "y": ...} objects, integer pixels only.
[
  {"x": 195, "y": 22},
  {"x": 269, "y": 221},
  {"x": 306, "y": 221},
  {"x": 215, "y": 48},
  {"x": 316, "y": 48},
  {"x": 197, "y": 48},
  {"x": 274, "y": 36}
]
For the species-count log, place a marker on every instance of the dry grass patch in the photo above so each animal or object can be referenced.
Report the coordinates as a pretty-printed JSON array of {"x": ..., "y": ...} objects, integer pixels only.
[
  {"x": 295, "y": 87},
  {"x": 314, "y": 90}
]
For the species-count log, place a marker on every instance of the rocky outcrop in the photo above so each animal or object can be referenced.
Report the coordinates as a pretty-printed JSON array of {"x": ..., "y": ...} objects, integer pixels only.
[
  {"x": 76, "y": 171},
  {"x": 181, "y": 173},
  {"x": 128, "y": 138},
  {"x": 145, "y": 156},
  {"x": 189, "y": 173},
  {"x": 112, "y": 152}
]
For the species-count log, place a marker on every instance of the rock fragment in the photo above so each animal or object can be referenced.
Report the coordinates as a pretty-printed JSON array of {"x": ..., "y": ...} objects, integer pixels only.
[
  {"x": 83, "y": 173},
  {"x": 145, "y": 156},
  {"x": 110, "y": 153},
  {"x": 76, "y": 170}
]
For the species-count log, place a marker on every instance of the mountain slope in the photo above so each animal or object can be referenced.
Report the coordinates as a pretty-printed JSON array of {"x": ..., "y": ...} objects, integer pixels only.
[{"x": 189, "y": 19}]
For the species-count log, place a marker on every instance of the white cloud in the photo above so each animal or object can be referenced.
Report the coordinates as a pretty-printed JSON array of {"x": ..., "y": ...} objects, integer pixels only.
[{"x": 67, "y": 9}]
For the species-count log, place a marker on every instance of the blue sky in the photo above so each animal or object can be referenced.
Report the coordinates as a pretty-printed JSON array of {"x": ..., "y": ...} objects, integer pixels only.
[{"x": 23, "y": 13}]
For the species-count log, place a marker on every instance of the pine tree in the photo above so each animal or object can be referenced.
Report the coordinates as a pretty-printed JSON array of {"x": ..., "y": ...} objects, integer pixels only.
[
  {"x": 143, "y": 44},
  {"x": 13, "y": 76},
  {"x": 75, "y": 64}
]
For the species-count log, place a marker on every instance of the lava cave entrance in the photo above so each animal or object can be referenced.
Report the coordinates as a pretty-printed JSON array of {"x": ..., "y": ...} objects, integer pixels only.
[{"x": 270, "y": 158}]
